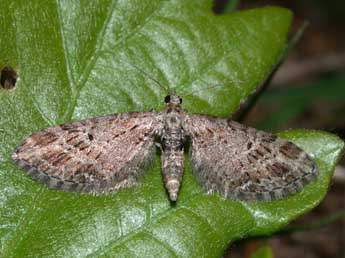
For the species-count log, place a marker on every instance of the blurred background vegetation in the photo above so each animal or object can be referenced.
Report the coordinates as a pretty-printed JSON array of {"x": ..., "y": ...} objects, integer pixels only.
[{"x": 308, "y": 91}]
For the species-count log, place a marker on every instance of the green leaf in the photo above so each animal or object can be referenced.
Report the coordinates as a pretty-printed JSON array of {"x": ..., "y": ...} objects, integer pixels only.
[{"x": 77, "y": 60}]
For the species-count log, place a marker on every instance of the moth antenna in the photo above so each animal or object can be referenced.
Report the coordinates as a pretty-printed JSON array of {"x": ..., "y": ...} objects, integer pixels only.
[
  {"x": 148, "y": 76},
  {"x": 206, "y": 88}
]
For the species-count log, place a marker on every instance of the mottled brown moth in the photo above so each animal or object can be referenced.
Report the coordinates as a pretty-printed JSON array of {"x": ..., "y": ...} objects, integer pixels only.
[{"x": 104, "y": 154}]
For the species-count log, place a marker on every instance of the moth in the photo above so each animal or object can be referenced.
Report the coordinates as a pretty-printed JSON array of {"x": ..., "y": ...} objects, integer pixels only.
[{"x": 105, "y": 154}]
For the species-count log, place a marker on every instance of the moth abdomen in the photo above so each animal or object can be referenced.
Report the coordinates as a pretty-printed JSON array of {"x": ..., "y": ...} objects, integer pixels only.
[{"x": 172, "y": 170}]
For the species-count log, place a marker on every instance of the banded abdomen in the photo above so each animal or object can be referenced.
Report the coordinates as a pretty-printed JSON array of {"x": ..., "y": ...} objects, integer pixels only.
[{"x": 172, "y": 141}]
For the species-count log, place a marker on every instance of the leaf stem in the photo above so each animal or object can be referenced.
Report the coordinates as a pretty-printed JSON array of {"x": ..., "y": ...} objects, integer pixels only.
[
  {"x": 245, "y": 109},
  {"x": 314, "y": 225}
]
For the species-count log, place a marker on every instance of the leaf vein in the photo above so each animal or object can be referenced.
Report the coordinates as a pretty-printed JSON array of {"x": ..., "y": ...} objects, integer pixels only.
[
  {"x": 71, "y": 80},
  {"x": 99, "y": 42},
  {"x": 167, "y": 247}
]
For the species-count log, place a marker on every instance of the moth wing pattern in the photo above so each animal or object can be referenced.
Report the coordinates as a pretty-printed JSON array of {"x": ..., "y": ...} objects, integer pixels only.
[
  {"x": 243, "y": 163},
  {"x": 97, "y": 155}
]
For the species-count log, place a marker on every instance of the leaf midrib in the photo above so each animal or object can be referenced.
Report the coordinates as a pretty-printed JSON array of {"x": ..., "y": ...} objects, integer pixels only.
[
  {"x": 97, "y": 50},
  {"x": 142, "y": 228}
]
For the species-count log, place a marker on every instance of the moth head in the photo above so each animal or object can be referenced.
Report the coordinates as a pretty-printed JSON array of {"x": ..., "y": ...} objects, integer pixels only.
[{"x": 173, "y": 99}]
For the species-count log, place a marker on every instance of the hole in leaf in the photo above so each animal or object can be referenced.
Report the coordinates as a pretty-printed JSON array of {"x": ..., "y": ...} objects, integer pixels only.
[{"x": 8, "y": 78}]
